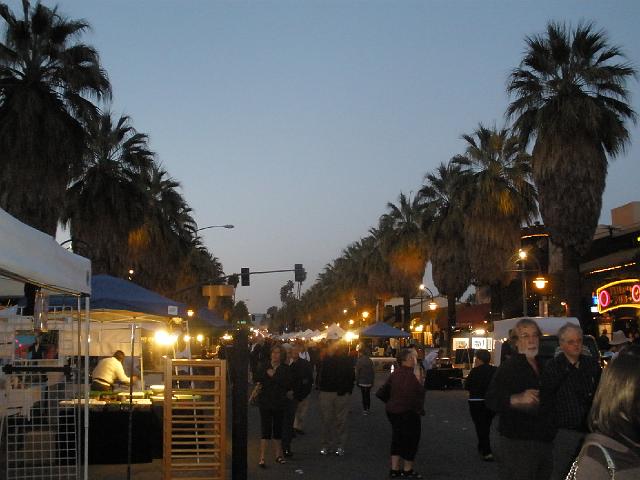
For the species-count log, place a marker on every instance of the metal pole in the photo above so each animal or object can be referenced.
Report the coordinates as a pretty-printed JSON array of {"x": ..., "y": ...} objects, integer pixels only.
[
  {"x": 524, "y": 292},
  {"x": 239, "y": 388},
  {"x": 87, "y": 324},
  {"x": 130, "y": 429}
]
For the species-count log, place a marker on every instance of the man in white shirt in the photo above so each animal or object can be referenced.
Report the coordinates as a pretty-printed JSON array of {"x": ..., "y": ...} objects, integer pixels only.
[{"x": 108, "y": 371}]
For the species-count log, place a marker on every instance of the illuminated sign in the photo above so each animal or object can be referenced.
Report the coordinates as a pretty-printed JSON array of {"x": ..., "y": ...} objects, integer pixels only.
[
  {"x": 480, "y": 342},
  {"x": 460, "y": 343},
  {"x": 623, "y": 293}
]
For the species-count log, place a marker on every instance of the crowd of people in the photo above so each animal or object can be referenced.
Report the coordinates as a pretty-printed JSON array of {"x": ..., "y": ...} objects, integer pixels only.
[{"x": 546, "y": 410}]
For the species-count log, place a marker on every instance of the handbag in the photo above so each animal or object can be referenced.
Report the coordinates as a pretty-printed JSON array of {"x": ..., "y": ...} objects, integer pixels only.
[
  {"x": 611, "y": 467},
  {"x": 384, "y": 392},
  {"x": 254, "y": 398}
]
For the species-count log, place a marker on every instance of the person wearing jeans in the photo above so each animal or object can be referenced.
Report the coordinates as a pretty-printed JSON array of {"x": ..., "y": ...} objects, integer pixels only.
[
  {"x": 365, "y": 376},
  {"x": 477, "y": 383}
]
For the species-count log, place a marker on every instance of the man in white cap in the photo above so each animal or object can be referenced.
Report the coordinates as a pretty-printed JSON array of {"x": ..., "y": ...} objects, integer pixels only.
[{"x": 618, "y": 341}]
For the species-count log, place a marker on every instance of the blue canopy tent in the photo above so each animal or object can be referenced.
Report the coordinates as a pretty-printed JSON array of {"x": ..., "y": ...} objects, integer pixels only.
[
  {"x": 115, "y": 299},
  {"x": 212, "y": 319},
  {"x": 383, "y": 330}
]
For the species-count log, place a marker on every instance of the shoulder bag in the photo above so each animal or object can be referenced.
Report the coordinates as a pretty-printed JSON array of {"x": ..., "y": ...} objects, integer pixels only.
[{"x": 611, "y": 467}]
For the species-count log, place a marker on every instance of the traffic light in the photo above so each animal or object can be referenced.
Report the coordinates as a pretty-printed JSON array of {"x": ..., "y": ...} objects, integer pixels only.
[
  {"x": 244, "y": 277},
  {"x": 300, "y": 274}
]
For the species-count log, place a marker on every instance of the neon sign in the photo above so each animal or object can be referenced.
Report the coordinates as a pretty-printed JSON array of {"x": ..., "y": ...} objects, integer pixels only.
[{"x": 623, "y": 293}]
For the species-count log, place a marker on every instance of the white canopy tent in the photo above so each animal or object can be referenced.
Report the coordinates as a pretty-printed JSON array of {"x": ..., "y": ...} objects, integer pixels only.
[{"x": 30, "y": 256}]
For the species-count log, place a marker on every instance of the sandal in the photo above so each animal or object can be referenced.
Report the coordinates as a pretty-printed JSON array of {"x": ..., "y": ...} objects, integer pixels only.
[
  {"x": 261, "y": 463},
  {"x": 280, "y": 460}
]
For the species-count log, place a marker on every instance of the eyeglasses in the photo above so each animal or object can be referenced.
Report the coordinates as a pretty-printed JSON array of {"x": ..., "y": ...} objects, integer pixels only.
[{"x": 572, "y": 342}]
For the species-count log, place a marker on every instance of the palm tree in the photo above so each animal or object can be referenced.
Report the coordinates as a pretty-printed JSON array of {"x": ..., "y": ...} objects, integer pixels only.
[
  {"x": 47, "y": 79},
  {"x": 497, "y": 199},
  {"x": 570, "y": 98},
  {"x": 107, "y": 201},
  {"x": 444, "y": 227},
  {"x": 404, "y": 246},
  {"x": 168, "y": 228}
]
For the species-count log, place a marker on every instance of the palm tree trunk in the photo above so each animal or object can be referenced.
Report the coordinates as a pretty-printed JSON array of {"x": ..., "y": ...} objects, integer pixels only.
[
  {"x": 406, "y": 312},
  {"x": 573, "y": 288},
  {"x": 496, "y": 299},
  {"x": 451, "y": 311}
]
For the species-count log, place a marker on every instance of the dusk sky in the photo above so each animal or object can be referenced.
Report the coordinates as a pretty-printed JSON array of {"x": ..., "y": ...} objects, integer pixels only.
[{"x": 298, "y": 121}]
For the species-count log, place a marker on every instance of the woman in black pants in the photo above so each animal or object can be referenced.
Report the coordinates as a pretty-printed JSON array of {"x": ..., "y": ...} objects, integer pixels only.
[
  {"x": 276, "y": 385},
  {"x": 365, "y": 375},
  {"x": 404, "y": 409}
]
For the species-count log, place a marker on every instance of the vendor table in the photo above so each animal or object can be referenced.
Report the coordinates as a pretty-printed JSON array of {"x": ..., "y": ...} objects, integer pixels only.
[
  {"x": 442, "y": 378},
  {"x": 108, "y": 430},
  {"x": 108, "y": 436}
]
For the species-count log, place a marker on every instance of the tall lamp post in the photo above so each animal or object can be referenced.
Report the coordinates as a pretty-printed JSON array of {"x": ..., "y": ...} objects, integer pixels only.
[
  {"x": 432, "y": 305},
  {"x": 540, "y": 282}
]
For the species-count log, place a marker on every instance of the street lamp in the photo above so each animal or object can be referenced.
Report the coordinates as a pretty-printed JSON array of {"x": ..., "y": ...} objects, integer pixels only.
[
  {"x": 540, "y": 282},
  {"x": 215, "y": 226},
  {"x": 433, "y": 306}
]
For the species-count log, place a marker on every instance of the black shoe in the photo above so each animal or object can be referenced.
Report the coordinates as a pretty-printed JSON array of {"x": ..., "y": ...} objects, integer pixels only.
[
  {"x": 298, "y": 431},
  {"x": 394, "y": 473},
  {"x": 287, "y": 453},
  {"x": 411, "y": 474}
]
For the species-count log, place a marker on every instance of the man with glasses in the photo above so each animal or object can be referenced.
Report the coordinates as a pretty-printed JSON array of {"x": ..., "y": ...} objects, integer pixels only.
[
  {"x": 526, "y": 433},
  {"x": 568, "y": 385}
]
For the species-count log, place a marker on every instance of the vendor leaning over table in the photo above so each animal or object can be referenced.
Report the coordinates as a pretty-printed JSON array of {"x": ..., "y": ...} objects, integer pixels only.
[{"x": 108, "y": 371}]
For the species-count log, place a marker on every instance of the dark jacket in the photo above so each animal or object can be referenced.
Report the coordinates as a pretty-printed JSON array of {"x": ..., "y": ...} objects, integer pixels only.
[
  {"x": 479, "y": 379},
  {"x": 407, "y": 394},
  {"x": 302, "y": 378},
  {"x": 275, "y": 388},
  {"x": 515, "y": 376},
  {"x": 569, "y": 390},
  {"x": 336, "y": 374},
  {"x": 365, "y": 373}
]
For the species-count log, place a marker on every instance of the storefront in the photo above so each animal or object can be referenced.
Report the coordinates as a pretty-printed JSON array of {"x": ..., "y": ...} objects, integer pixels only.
[{"x": 618, "y": 305}]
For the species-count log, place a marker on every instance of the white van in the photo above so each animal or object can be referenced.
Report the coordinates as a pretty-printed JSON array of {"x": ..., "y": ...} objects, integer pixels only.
[{"x": 548, "y": 325}]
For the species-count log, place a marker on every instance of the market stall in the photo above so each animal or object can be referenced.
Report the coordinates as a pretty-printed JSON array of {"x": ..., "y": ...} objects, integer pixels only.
[
  {"x": 32, "y": 386},
  {"x": 120, "y": 310}
]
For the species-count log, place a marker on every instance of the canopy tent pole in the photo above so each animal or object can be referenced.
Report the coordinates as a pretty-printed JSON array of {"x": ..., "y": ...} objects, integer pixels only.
[
  {"x": 130, "y": 429},
  {"x": 87, "y": 321}
]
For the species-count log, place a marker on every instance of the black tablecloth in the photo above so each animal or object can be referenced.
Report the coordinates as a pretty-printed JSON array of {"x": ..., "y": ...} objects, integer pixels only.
[
  {"x": 441, "y": 378},
  {"x": 108, "y": 436}
]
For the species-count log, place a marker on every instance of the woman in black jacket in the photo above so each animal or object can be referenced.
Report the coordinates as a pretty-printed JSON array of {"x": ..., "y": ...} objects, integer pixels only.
[{"x": 275, "y": 379}]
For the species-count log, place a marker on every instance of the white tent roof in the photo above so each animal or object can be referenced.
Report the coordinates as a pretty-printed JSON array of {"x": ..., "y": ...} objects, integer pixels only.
[{"x": 28, "y": 255}]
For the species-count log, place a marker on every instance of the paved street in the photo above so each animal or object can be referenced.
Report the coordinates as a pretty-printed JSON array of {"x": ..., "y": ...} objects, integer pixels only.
[{"x": 447, "y": 448}]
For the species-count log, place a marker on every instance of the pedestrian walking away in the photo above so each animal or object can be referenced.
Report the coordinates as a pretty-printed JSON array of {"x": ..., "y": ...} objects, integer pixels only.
[
  {"x": 405, "y": 409},
  {"x": 477, "y": 383},
  {"x": 336, "y": 379},
  {"x": 365, "y": 375}
]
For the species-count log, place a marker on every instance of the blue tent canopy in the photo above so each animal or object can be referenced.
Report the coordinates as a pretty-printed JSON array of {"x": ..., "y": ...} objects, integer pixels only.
[
  {"x": 127, "y": 299},
  {"x": 381, "y": 329},
  {"x": 212, "y": 319}
]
